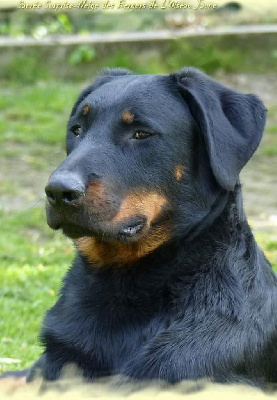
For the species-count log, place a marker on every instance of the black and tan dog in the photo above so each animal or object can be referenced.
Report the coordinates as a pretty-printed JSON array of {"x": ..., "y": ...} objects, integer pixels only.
[{"x": 168, "y": 282}]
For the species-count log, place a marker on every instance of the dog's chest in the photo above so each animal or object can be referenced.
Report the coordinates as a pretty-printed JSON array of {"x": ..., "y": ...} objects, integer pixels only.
[
  {"x": 108, "y": 321},
  {"x": 112, "y": 317}
]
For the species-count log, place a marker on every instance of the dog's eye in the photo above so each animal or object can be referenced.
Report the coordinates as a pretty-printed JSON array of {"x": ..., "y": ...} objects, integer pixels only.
[
  {"x": 76, "y": 129},
  {"x": 141, "y": 135}
]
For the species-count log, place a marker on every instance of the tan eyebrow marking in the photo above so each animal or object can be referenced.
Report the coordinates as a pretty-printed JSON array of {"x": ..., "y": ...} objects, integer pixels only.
[
  {"x": 128, "y": 117},
  {"x": 86, "y": 109},
  {"x": 178, "y": 172}
]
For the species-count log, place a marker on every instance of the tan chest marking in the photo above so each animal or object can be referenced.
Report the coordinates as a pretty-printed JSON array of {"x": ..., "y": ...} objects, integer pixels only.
[{"x": 103, "y": 253}]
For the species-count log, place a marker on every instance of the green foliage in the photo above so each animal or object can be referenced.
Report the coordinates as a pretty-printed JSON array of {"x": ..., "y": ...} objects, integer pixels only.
[
  {"x": 206, "y": 56},
  {"x": 16, "y": 22},
  {"x": 28, "y": 23},
  {"x": 139, "y": 20},
  {"x": 81, "y": 54},
  {"x": 27, "y": 65},
  {"x": 65, "y": 22}
]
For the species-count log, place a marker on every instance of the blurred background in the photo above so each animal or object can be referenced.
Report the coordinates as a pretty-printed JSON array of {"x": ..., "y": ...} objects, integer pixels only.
[{"x": 47, "y": 55}]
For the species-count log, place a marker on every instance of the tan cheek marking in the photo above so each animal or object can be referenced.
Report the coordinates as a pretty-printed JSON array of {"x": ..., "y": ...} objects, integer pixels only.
[
  {"x": 101, "y": 253},
  {"x": 97, "y": 200},
  {"x": 95, "y": 192},
  {"x": 148, "y": 204},
  {"x": 128, "y": 117},
  {"x": 178, "y": 172},
  {"x": 86, "y": 109}
]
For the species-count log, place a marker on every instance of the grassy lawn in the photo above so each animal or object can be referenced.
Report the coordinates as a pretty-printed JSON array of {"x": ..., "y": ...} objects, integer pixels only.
[
  {"x": 33, "y": 262},
  {"x": 35, "y": 114},
  {"x": 33, "y": 258}
]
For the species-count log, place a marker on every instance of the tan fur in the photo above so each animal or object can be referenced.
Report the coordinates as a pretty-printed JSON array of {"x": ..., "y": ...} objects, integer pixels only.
[
  {"x": 128, "y": 117},
  {"x": 86, "y": 109},
  {"x": 109, "y": 253},
  {"x": 95, "y": 193},
  {"x": 137, "y": 203},
  {"x": 178, "y": 172},
  {"x": 140, "y": 202}
]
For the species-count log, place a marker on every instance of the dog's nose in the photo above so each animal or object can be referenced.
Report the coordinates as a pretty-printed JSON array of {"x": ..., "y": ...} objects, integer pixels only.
[{"x": 64, "y": 188}]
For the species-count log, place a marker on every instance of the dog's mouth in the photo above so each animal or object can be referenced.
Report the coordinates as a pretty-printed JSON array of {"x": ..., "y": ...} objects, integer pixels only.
[
  {"x": 122, "y": 239},
  {"x": 132, "y": 230},
  {"x": 135, "y": 217},
  {"x": 128, "y": 232},
  {"x": 123, "y": 231}
]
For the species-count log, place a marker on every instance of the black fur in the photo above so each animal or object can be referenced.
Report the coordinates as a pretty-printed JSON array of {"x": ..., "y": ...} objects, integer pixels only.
[{"x": 203, "y": 304}]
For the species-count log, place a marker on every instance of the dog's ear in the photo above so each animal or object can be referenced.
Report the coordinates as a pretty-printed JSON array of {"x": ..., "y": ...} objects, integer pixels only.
[
  {"x": 104, "y": 76},
  {"x": 231, "y": 123}
]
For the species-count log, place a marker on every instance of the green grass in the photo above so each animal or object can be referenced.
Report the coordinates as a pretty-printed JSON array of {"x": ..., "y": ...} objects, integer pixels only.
[
  {"x": 270, "y": 147},
  {"x": 33, "y": 259},
  {"x": 36, "y": 113},
  {"x": 32, "y": 263},
  {"x": 268, "y": 243}
]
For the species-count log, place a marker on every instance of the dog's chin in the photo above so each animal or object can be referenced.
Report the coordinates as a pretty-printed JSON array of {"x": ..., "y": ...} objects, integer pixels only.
[
  {"x": 75, "y": 232},
  {"x": 129, "y": 231}
]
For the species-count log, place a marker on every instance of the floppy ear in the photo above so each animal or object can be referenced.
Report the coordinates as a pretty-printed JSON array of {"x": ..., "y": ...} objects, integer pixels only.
[
  {"x": 104, "y": 76},
  {"x": 231, "y": 123}
]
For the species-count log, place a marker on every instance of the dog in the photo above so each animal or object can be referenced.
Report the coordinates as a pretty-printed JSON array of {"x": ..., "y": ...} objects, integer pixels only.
[{"x": 168, "y": 282}]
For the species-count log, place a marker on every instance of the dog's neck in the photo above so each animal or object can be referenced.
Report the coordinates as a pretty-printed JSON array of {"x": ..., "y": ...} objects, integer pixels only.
[
  {"x": 226, "y": 213},
  {"x": 225, "y": 219}
]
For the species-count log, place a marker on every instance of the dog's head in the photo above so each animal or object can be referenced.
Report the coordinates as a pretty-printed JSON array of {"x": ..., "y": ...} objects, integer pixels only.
[{"x": 146, "y": 153}]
